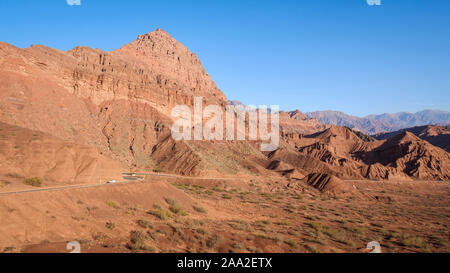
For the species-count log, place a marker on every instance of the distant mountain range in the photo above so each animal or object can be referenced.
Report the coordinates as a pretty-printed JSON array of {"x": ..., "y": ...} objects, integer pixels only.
[{"x": 375, "y": 124}]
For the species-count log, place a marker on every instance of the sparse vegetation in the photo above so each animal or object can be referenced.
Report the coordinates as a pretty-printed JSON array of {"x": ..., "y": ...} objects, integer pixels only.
[
  {"x": 138, "y": 241},
  {"x": 144, "y": 224},
  {"x": 160, "y": 213},
  {"x": 33, "y": 181},
  {"x": 291, "y": 243},
  {"x": 200, "y": 209},
  {"x": 414, "y": 241},
  {"x": 311, "y": 249},
  {"x": 14, "y": 175},
  {"x": 110, "y": 225},
  {"x": 100, "y": 237},
  {"x": 226, "y": 196},
  {"x": 262, "y": 222},
  {"x": 355, "y": 229},
  {"x": 175, "y": 207},
  {"x": 112, "y": 204},
  {"x": 268, "y": 237},
  {"x": 285, "y": 221},
  {"x": 214, "y": 241}
]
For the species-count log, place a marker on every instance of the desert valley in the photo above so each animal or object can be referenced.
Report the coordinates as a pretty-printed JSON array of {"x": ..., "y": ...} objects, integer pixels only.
[{"x": 72, "y": 121}]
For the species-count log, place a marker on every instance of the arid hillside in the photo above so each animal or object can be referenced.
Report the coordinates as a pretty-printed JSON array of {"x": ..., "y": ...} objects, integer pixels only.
[
  {"x": 341, "y": 152},
  {"x": 120, "y": 103},
  {"x": 27, "y": 154},
  {"x": 72, "y": 121},
  {"x": 437, "y": 135}
]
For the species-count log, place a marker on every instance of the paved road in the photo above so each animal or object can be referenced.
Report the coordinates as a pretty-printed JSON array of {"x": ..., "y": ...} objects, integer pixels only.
[
  {"x": 63, "y": 188},
  {"x": 180, "y": 176},
  {"x": 127, "y": 176}
]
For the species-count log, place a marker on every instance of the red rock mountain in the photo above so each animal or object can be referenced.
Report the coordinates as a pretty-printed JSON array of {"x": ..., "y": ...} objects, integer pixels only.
[
  {"x": 339, "y": 151},
  {"x": 412, "y": 155},
  {"x": 437, "y": 135},
  {"x": 118, "y": 103},
  {"x": 294, "y": 124}
]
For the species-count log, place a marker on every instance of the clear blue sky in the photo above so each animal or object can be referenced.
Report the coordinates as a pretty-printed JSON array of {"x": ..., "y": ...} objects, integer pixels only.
[{"x": 301, "y": 54}]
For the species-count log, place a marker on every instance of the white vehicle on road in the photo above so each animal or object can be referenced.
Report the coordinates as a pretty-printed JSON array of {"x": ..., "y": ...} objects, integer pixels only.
[{"x": 111, "y": 181}]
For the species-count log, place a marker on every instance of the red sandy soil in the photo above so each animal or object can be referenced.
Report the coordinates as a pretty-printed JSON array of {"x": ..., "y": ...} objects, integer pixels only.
[
  {"x": 257, "y": 215},
  {"x": 26, "y": 154}
]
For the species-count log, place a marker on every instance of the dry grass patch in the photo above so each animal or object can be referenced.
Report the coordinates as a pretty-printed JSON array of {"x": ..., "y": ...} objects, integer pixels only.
[
  {"x": 161, "y": 214},
  {"x": 214, "y": 241},
  {"x": 110, "y": 225},
  {"x": 176, "y": 207},
  {"x": 144, "y": 224},
  {"x": 291, "y": 243},
  {"x": 14, "y": 175},
  {"x": 112, "y": 204},
  {"x": 414, "y": 241},
  {"x": 138, "y": 241},
  {"x": 33, "y": 181},
  {"x": 199, "y": 209}
]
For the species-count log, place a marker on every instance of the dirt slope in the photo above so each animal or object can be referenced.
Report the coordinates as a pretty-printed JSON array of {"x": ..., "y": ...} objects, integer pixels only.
[
  {"x": 26, "y": 153},
  {"x": 81, "y": 213},
  {"x": 331, "y": 185}
]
